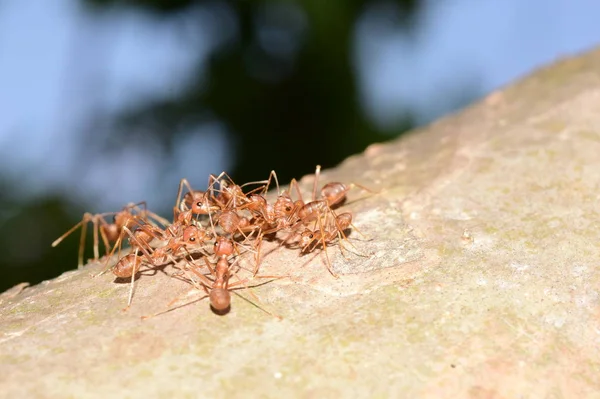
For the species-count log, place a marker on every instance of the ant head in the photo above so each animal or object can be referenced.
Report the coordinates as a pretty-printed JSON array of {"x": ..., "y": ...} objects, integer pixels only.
[
  {"x": 190, "y": 234},
  {"x": 200, "y": 207},
  {"x": 306, "y": 237},
  {"x": 344, "y": 220},
  {"x": 223, "y": 246},
  {"x": 283, "y": 206}
]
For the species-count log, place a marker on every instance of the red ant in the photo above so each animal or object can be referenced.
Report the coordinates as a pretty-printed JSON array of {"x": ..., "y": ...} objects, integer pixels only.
[
  {"x": 218, "y": 289},
  {"x": 238, "y": 217},
  {"x": 140, "y": 240},
  {"x": 109, "y": 231},
  {"x": 327, "y": 225},
  {"x": 335, "y": 192}
]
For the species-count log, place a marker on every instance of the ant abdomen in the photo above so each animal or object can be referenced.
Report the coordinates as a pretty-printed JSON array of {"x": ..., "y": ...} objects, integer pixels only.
[
  {"x": 220, "y": 299},
  {"x": 111, "y": 231},
  {"x": 312, "y": 211},
  {"x": 127, "y": 266},
  {"x": 229, "y": 221},
  {"x": 334, "y": 193},
  {"x": 344, "y": 220}
]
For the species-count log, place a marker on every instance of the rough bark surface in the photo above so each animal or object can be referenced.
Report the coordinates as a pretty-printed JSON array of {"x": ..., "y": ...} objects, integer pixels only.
[{"x": 478, "y": 277}]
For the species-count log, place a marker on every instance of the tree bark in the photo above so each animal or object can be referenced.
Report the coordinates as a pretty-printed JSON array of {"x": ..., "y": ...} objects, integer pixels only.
[{"x": 477, "y": 276}]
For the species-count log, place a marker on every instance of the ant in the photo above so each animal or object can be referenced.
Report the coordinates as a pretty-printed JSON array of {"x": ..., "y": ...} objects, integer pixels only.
[
  {"x": 327, "y": 225},
  {"x": 235, "y": 219},
  {"x": 109, "y": 232},
  {"x": 219, "y": 296},
  {"x": 335, "y": 192},
  {"x": 140, "y": 239},
  {"x": 218, "y": 288}
]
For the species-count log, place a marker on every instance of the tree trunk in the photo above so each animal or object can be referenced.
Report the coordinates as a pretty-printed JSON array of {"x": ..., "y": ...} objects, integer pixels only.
[{"x": 476, "y": 277}]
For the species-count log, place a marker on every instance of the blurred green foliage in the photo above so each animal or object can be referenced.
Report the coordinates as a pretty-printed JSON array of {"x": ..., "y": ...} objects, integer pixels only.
[{"x": 287, "y": 109}]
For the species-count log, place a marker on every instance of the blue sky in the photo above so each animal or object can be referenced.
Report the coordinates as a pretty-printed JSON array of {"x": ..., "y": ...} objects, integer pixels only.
[{"x": 55, "y": 67}]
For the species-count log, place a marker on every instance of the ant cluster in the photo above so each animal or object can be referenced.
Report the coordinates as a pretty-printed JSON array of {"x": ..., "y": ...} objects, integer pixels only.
[{"x": 212, "y": 229}]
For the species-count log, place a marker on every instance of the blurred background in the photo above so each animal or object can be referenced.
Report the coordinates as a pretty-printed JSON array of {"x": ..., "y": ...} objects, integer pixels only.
[{"x": 106, "y": 102}]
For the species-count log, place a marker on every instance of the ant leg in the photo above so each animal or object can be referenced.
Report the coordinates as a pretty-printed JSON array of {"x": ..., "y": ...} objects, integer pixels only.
[
  {"x": 317, "y": 174},
  {"x": 212, "y": 271},
  {"x": 170, "y": 309},
  {"x": 87, "y": 217},
  {"x": 364, "y": 188},
  {"x": 214, "y": 180},
  {"x": 82, "y": 244},
  {"x": 257, "y": 254},
  {"x": 267, "y": 183},
  {"x": 95, "y": 235},
  {"x": 226, "y": 176},
  {"x": 179, "y": 190},
  {"x": 342, "y": 236},
  {"x": 329, "y": 267},
  {"x": 136, "y": 206},
  {"x": 159, "y": 219},
  {"x": 139, "y": 244},
  {"x": 204, "y": 283},
  {"x": 212, "y": 224},
  {"x": 339, "y": 233},
  {"x": 133, "y": 280},
  {"x": 104, "y": 237},
  {"x": 294, "y": 185},
  {"x": 238, "y": 244},
  {"x": 274, "y": 176},
  {"x": 118, "y": 244},
  {"x": 132, "y": 284},
  {"x": 183, "y": 182},
  {"x": 255, "y": 304},
  {"x": 146, "y": 214},
  {"x": 142, "y": 212}
]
